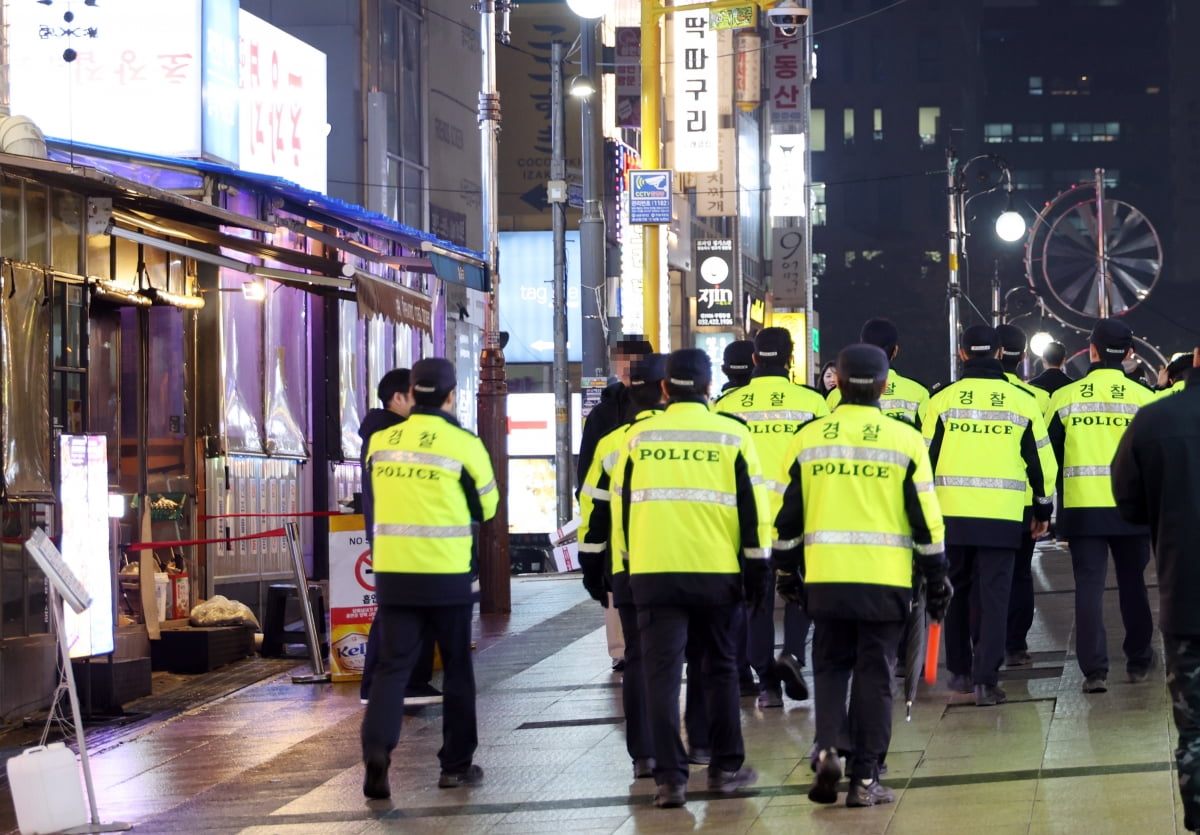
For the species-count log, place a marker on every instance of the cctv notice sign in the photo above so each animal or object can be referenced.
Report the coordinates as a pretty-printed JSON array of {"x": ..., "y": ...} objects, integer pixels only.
[
  {"x": 649, "y": 196},
  {"x": 714, "y": 282}
]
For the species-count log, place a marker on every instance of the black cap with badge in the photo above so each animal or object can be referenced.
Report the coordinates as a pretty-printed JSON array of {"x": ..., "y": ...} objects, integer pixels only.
[
  {"x": 862, "y": 364},
  {"x": 980, "y": 341},
  {"x": 739, "y": 355},
  {"x": 648, "y": 368},
  {"x": 1112, "y": 338},
  {"x": 689, "y": 368},
  {"x": 773, "y": 346},
  {"x": 434, "y": 375}
]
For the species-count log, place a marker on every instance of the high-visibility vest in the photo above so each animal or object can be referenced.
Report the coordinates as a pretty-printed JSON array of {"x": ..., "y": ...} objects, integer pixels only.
[
  {"x": 774, "y": 408},
  {"x": 432, "y": 479},
  {"x": 689, "y": 497},
  {"x": 1040, "y": 395},
  {"x": 1088, "y": 418},
  {"x": 858, "y": 495},
  {"x": 988, "y": 443},
  {"x": 902, "y": 398}
]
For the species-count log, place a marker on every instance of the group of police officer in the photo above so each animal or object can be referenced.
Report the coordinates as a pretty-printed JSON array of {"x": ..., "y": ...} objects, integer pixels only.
[{"x": 694, "y": 515}]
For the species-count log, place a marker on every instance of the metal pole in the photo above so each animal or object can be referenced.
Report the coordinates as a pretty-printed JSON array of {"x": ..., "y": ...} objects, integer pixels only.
[
  {"x": 651, "y": 61},
  {"x": 997, "y": 313},
  {"x": 495, "y": 593},
  {"x": 592, "y": 279},
  {"x": 1101, "y": 248},
  {"x": 954, "y": 235},
  {"x": 315, "y": 651},
  {"x": 558, "y": 216}
]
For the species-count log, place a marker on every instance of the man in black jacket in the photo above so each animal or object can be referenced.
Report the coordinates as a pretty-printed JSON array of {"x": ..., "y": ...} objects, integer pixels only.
[
  {"x": 1156, "y": 481},
  {"x": 1053, "y": 378}
]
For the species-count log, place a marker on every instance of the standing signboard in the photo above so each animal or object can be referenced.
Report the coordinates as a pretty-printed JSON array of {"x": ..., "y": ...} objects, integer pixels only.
[
  {"x": 83, "y": 468},
  {"x": 352, "y": 601},
  {"x": 715, "y": 282}
]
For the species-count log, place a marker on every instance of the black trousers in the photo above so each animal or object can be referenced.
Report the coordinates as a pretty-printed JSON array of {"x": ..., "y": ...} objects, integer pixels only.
[
  {"x": 1089, "y": 560},
  {"x": 1183, "y": 679},
  {"x": 402, "y": 631},
  {"x": 859, "y": 656},
  {"x": 1020, "y": 598},
  {"x": 976, "y": 624},
  {"x": 633, "y": 687},
  {"x": 760, "y": 633},
  {"x": 695, "y": 699},
  {"x": 664, "y": 632},
  {"x": 422, "y": 673}
]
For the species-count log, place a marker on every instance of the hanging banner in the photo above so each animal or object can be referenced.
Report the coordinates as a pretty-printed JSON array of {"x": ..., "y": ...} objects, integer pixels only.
[
  {"x": 786, "y": 82},
  {"x": 788, "y": 179},
  {"x": 627, "y": 56},
  {"x": 716, "y": 191},
  {"x": 696, "y": 111},
  {"x": 714, "y": 268},
  {"x": 352, "y": 601},
  {"x": 787, "y": 266}
]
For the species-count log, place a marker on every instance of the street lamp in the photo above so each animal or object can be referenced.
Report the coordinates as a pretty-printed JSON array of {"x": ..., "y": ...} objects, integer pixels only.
[{"x": 1010, "y": 226}]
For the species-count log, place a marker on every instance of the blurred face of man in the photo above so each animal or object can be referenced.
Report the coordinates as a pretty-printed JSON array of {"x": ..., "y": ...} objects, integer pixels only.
[{"x": 621, "y": 363}]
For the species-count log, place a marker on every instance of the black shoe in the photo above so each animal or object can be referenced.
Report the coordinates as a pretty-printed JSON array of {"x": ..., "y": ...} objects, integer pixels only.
[
  {"x": 770, "y": 696},
  {"x": 727, "y": 782},
  {"x": 670, "y": 795},
  {"x": 618, "y": 665},
  {"x": 829, "y": 773},
  {"x": 868, "y": 794},
  {"x": 987, "y": 695},
  {"x": 473, "y": 776},
  {"x": 1138, "y": 673},
  {"x": 1017, "y": 658},
  {"x": 643, "y": 767},
  {"x": 1095, "y": 684},
  {"x": 375, "y": 783},
  {"x": 791, "y": 673},
  {"x": 699, "y": 756},
  {"x": 959, "y": 683}
]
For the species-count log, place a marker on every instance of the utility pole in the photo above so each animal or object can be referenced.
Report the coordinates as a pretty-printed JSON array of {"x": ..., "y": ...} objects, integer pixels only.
[
  {"x": 495, "y": 567},
  {"x": 556, "y": 196},
  {"x": 954, "y": 236},
  {"x": 592, "y": 279}
]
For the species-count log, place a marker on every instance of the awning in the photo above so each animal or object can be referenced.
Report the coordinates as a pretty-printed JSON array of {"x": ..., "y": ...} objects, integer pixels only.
[{"x": 377, "y": 297}]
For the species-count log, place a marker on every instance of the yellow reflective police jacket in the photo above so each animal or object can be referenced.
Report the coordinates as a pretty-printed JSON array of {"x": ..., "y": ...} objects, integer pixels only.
[
  {"x": 902, "y": 398},
  {"x": 1086, "y": 420},
  {"x": 595, "y": 509},
  {"x": 774, "y": 408},
  {"x": 689, "y": 500},
  {"x": 1039, "y": 394},
  {"x": 858, "y": 501},
  {"x": 432, "y": 480},
  {"x": 987, "y": 442}
]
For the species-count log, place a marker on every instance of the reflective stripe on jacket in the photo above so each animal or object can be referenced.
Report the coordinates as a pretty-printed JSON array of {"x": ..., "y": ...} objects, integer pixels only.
[{"x": 902, "y": 398}]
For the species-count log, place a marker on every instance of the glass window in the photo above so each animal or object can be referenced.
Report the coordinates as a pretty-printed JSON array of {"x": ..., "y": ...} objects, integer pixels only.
[
  {"x": 37, "y": 232},
  {"x": 66, "y": 231},
  {"x": 848, "y": 126},
  {"x": 928, "y": 119},
  {"x": 11, "y": 241},
  {"x": 819, "y": 209},
  {"x": 816, "y": 129},
  {"x": 1035, "y": 85},
  {"x": 997, "y": 132},
  {"x": 877, "y": 124}
]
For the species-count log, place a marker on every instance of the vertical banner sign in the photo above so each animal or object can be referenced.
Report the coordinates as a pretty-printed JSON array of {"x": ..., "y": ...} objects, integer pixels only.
[
  {"x": 789, "y": 183},
  {"x": 716, "y": 191},
  {"x": 785, "y": 69},
  {"x": 696, "y": 101},
  {"x": 714, "y": 268},
  {"x": 628, "y": 57},
  {"x": 747, "y": 70},
  {"x": 796, "y": 323},
  {"x": 352, "y": 601},
  {"x": 83, "y": 493},
  {"x": 787, "y": 265}
]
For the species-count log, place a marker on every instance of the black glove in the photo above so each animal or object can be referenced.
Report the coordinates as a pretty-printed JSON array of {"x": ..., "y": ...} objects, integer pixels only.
[
  {"x": 593, "y": 581},
  {"x": 756, "y": 580},
  {"x": 937, "y": 599},
  {"x": 790, "y": 586}
]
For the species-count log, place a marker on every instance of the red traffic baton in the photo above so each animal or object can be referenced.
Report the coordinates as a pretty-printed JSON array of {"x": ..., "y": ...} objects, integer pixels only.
[{"x": 932, "y": 644}]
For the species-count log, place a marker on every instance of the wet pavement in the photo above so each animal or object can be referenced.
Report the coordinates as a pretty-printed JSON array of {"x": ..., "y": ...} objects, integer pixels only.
[{"x": 278, "y": 757}]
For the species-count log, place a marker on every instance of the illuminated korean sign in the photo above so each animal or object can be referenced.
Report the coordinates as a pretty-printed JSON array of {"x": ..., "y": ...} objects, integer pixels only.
[
  {"x": 628, "y": 56},
  {"x": 696, "y": 108},
  {"x": 282, "y": 81},
  {"x": 715, "y": 282},
  {"x": 83, "y": 460},
  {"x": 789, "y": 189},
  {"x": 784, "y": 75}
]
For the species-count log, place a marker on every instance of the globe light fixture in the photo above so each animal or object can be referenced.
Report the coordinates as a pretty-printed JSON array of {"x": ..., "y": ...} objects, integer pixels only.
[
  {"x": 1010, "y": 226},
  {"x": 581, "y": 87},
  {"x": 590, "y": 9},
  {"x": 1039, "y": 341}
]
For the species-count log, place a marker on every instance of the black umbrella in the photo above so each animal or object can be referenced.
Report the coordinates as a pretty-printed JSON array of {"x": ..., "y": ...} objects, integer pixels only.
[{"x": 914, "y": 648}]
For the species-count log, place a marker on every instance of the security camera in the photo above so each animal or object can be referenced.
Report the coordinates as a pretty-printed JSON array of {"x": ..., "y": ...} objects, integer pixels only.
[{"x": 787, "y": 16}]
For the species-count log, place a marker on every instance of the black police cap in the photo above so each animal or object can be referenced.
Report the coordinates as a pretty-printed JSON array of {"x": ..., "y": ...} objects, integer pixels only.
[
  {"x": 1112, "y": 338},
  {"x": 1012, "y": 340},
  {"x": 980, "y": 341},
  {"x": 773, "y": 346},
  {"x": 689, "y": 368},
  {"x": 648, "y": 368},
  {"x": 739, "y": 355},
  {"x": 862, "y": 364},
  {"x": 880, "y": 332},
  {"x": 433, "y": 374}
]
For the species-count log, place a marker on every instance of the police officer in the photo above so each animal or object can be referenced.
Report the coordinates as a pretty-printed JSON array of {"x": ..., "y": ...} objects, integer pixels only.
[
  {"x": 690, "y": 513},
  {"x": 601, "y": 576},
  {"x": 738, "y": 364},
  {"x": 1086, "y": 422},
  {"x": 1020, "y": 598},
  {"x": 903, "y": 397},
  {"x": 774, "y": 408},
  {"x": 987, "y": 442},
  {"x": 858, "y": 507},
  {"x": 433, "y": 481}
]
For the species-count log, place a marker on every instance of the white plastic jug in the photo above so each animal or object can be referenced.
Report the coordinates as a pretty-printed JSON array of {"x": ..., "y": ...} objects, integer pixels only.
[{"x": 47, "y": 789}]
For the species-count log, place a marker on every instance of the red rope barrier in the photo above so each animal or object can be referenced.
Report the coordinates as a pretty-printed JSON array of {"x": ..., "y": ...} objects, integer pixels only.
[{"x": 178, "y": 543}]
